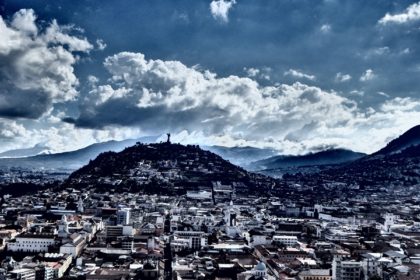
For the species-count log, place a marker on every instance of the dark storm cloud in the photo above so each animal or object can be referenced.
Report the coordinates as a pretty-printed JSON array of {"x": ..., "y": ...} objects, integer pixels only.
[
  {"x": 322, "y": 38},
  {"x": 22, "y": 104}
]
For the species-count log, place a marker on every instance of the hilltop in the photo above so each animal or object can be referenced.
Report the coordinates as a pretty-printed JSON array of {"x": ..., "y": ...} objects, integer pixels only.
[
  {"x": 166, "y": 168},
  {"x": 410, "y": 138}
]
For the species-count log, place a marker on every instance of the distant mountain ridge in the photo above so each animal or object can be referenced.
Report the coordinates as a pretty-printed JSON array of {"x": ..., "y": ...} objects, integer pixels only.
[
  {"x": 25, "y": 152},
  {"x": 70, "y": 160},
  {"x": 402, "y": 149},
  {"x": 397, "y": 164},
  {"x": 327, "y": 157},
  {"x": 241, "y": 156}
]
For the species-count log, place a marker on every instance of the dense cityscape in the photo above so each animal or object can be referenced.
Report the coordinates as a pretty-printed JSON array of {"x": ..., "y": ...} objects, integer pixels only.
[
  {"x": 168, "y": 211},
  {"x": 209, "y": 140}
]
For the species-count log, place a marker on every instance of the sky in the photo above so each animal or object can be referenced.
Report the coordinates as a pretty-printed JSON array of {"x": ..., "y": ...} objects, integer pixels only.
[{"x": 294, "y": 75}]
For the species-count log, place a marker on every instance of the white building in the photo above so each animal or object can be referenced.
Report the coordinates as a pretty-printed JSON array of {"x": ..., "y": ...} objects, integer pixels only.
[
  {"x": 255, "y": 238},
  {"x": 23, "y": 274},
  {"x": 194, "y": 239},
  {"x": 59, "y": 266},
  {"x": 288, "y": 240},
  {"x": 32, "y": 243},
  {"x": 75, "y": 247}
]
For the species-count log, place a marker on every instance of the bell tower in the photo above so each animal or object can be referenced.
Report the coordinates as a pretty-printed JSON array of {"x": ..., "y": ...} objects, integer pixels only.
[{"x": 80, "y": 207}]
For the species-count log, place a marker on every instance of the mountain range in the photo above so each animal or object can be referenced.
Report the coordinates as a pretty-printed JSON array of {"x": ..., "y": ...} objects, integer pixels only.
[
  {"x": 327, "y": 157},
  {"x": 38, "y": 149},
  {"x": 175, "y": 168},
  {"x": 250, "y": 158},
  {"x": 63, "y": 161},
  {"x": 397, "y": 164},
  {"x": 241, "y": 156}
]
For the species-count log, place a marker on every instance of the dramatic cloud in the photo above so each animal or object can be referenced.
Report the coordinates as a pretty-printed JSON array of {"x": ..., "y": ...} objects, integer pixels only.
[
  {"x": 412, "y": 13},
  {"x": 220, "y": 9},
  {"x": 362, "y": 75},
  {"x": 167, "y": 95},
  {"x": 198, "y": 107},
  {"x": 36, "y": 66},
  {"x": 158, "y": 96}
]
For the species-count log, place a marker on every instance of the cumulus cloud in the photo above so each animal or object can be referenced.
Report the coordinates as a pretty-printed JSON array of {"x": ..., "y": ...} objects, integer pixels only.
[
  {"x": 220, "y": 9},
  {"x": 412, "y": 13},
  {"x": 36, "y": 65},
  {"x": 340, "y": 77},
  {"x": 147, "y": 92},
  {"x": 367, "y": 75},
  {"x": 101, "y": 44},
  {"x": 259, "y": 74},
  {"x": 298, "y": 74},
  {"x": 252, "y": 72},
  {"x": 11, "y": 130},
  {"x": 401, "y": 104}
]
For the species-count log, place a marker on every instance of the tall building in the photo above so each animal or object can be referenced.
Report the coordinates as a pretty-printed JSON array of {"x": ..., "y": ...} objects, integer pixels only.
[{"x": 123, "y": 216}]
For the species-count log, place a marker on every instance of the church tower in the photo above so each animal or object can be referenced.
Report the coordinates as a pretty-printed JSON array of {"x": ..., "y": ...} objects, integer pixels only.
[
  {"x": 63, "y": 227},
  {"x": 80, "y": 207}
]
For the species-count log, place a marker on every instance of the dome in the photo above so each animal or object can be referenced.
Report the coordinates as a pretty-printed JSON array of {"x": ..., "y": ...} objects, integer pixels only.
[{"x": 261, "y": 267}]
